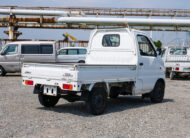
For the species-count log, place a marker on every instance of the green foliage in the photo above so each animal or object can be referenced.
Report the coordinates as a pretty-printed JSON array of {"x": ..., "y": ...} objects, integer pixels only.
[{"x": 158, "y": 44}]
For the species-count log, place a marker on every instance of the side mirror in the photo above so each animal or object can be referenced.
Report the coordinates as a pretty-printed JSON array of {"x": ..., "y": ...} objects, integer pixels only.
[{"x": 158, "y": 51}]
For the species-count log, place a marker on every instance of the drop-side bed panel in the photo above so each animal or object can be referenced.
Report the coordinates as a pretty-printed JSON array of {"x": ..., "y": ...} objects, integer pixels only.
[{"x": 77, "y": 74}]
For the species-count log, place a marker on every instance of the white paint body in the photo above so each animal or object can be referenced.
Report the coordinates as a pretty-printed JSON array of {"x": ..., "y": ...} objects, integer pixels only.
[{"x": 103, "y": 64}]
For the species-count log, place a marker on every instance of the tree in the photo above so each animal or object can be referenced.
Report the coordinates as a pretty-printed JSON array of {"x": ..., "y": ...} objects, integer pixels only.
[{"x": 158, "y": 44}]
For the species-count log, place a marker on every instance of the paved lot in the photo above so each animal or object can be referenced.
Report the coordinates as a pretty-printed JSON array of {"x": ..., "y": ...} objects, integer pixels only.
[{"x": 21, "y": 115}]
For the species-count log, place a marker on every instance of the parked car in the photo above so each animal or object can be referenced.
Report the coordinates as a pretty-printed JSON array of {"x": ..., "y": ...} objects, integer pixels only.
[
  {"x": 118, "y": 62},
  {"x": 72, "y": 54},
  {"x": 16, "y": 53},
  {"x": 176, "y": 61}
]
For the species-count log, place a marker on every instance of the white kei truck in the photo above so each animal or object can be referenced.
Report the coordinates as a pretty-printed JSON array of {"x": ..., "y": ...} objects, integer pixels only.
[
  {"x": 177, "y": 61},
  {"x": 119, "y": 61}
]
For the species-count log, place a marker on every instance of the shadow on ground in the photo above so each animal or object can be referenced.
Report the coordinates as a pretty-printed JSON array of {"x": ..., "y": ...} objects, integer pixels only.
[
  {"x": 113, "y": 105},
  {"x": 12, "y": 75},
  {"x": 178, "y": 78},
  {"x": 182, "y": 79}
]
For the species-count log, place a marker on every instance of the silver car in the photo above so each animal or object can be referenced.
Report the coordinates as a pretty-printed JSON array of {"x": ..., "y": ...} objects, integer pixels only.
[{"x": 72, "y": 55}]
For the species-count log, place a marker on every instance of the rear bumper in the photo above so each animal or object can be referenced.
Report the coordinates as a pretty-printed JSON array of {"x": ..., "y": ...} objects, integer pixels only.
[
  {"x": 181, "y": 69},
  {"x": 51, "y": 82}
]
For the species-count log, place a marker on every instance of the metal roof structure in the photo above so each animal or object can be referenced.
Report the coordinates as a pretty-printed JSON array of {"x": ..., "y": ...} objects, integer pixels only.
[{"x": 89, "y": 18}]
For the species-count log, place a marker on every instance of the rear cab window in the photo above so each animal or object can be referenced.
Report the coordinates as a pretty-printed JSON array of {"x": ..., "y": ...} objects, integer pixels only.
[{"x": 111, "y": 40}]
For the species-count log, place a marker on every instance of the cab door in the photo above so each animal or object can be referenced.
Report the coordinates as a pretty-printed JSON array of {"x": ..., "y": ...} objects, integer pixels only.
[
  {"x": 11, "y": 59},
  {"x": 147, "y": 63},
  {"x": 61, "y": 55}
]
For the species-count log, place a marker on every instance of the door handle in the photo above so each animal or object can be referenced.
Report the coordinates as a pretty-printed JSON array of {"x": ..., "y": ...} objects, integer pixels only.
[{"x": 141, "y": 64}]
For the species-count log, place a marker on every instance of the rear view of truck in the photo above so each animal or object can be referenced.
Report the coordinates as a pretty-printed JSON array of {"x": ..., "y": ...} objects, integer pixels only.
[
  {"x": 118, "y": 62},
  {"x": 177, "y": 61}
]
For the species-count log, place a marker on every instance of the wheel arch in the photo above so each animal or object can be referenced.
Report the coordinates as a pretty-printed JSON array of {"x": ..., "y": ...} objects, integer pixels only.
[
  {"x": 81, "y": 61},
  {"x": 161, "y": 80},
  {"x": 104, "y": 85}
]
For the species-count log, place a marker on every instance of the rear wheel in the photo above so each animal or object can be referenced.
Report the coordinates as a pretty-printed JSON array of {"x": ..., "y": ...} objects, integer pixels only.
[
  {"x": 97, "y": 100},
  {"x": 157, "y": 94},
  {"x": 2, "y": 71},
  {"x": 47, "y": 101}
]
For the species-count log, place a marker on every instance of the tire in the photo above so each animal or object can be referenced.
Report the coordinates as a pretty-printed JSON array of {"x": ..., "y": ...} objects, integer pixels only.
[
  {"x": 172, "y": 75},
  {"x": 114, "y": 92},
  {"x": 97, "y": 101},
  {"x": 2, "y": 71},
  {"x": 47, "y": 101},
  {"x": 157, "y": 94}
]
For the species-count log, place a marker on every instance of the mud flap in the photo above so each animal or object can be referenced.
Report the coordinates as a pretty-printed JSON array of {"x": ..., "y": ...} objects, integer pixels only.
[{"x": 36, "y": 90}]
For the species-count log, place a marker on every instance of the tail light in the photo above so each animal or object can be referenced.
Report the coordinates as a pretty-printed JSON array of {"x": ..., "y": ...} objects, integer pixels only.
[
  {"x": 67, "y": 86},
  {"x": 29, "y": 82},
  {"x": 177, "y": 68}
]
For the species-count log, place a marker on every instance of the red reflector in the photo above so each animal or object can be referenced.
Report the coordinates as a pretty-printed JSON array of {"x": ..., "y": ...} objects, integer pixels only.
[
  {"x": 67, "y": 86},
  {"x": 177, "y": 68},
  {"x": 28, "y": 82}
]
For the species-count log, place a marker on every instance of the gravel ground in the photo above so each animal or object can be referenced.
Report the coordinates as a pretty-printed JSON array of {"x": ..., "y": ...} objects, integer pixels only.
[{"x": 21, "y": 115}]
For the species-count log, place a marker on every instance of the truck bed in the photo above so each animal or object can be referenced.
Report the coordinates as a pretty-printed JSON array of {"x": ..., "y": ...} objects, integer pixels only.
[{"x": 49, "y": 74}]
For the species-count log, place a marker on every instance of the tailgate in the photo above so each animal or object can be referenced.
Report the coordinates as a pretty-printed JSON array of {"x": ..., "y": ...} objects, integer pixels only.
[{"x": 49, "y": 71}]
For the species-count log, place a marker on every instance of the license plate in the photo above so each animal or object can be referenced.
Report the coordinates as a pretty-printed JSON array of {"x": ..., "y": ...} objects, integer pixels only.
[{"x": 50, "y": 90}]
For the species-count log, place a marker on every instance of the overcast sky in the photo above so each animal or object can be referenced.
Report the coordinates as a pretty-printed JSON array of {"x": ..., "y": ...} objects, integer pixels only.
[{"x": 83, "y": 34}]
